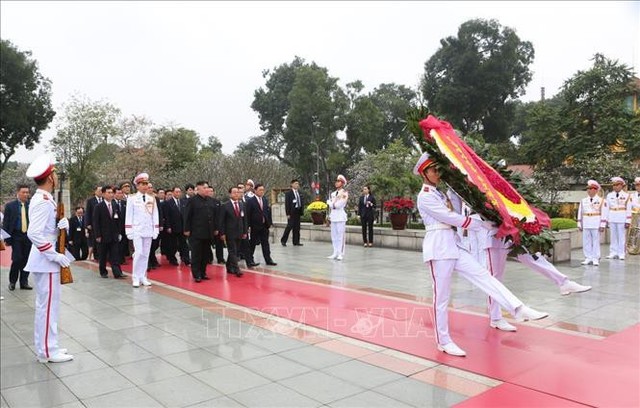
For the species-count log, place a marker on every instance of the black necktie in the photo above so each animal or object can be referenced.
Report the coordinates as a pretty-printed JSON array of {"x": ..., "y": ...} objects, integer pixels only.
[
  {"x": 591, "y": 199},
  {"x": 144, "y": 198},
  {"x": 617, "y": 195}
]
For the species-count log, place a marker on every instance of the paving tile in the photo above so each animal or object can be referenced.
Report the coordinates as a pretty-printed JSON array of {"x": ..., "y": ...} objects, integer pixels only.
[
  {"x": 221, "y": 402},
  {"x": 275, "y": 367},
  {"x": 126, "y": 353},
  {"x": 180, "y": 391},
  {"x": 273, "y": 395},
  {"x": 81, "y": 363},
  {"x": 321, "y": 387},
  {"x": 131, "y": 397},
  {"x": 362, "y": 374},
  {"x": 230, "y": 378},
  {"x": 314, "y": 357},
  {"x": 24, "y": 374},
  {"x": 195, "y": 360},
  {"x": 148, "y": 371},
  {"x": 163, "y": 346},
  {"x": 419, "y": 394},
  {"x": 392, "y": 363},
  {"x": 367, "y": 399},
  {"x": 237, "y": 351},
  {"x": 39, "y": 394},
  {"x": 97, "y": 382}
]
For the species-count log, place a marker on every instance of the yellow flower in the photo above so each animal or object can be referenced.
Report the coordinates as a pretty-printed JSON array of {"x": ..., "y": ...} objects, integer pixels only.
[{"x": 317, "y": 206}]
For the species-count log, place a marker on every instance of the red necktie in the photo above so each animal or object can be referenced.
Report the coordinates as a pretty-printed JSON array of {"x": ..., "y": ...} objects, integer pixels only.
[{"x": 236, "y": 208}]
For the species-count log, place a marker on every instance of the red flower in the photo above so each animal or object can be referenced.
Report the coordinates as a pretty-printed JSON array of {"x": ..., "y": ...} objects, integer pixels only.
[{"x": 399, "y": 205}]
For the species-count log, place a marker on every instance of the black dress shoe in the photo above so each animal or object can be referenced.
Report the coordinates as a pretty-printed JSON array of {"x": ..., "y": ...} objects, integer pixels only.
[
  {"x": 239, "y": 273},
  {"x": 198, "y": 280},
  {"x": 298, "y": 244},
  {"x": 104, "y": 276},
  {"x": 26, "y": 287},
  {"x": 252, "y": 264},
  {"x": 12, "y": 286},
  {"x": 222, "y": 261},
  {"x": 205, "y": 277},
  {"x": 283, "y": 243},
  {"x": 271, "y": 263},
  {"x": 121, "y": 276}
]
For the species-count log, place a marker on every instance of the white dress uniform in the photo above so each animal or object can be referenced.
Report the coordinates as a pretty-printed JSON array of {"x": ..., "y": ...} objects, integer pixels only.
[
  {"x": 141, "y": 226},
  {"x": 441, "y": 250},
  {"x": 338, "y": 216},
  {"x": 44, "y": 265},
  {"x": 590, "y": 220},
  {"x": 615, "y": 213}
]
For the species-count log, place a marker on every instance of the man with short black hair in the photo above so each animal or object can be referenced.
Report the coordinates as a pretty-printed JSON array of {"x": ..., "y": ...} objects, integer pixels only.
[
  {"x": 200, "y": 227},
  {"x": 78, "y": 235},
  {"x": 294, "y": 208},
  {"x": 16, "y": 223},
  {"x": 107, "y": 226},
  {"x": 259, "y": 219}
]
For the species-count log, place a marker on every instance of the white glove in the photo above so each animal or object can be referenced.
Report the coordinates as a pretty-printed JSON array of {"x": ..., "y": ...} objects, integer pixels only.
[
  {"x": 62, "y": 260},
  {"x": 63, "y": 224},
  {"x": 130, "y": 237},
  {"x": 119, "y": 237}
]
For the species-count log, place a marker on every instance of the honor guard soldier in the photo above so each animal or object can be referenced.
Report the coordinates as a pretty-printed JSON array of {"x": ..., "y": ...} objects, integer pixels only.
[
  {"x": 44, "y": 262},
  {"x": 634, "y": 201},
  {"x": 443, "y": 254},
  {"x": 142, "y": 225},
  {"x": 337, "y": 202},
  {"x": 591, "y": 223},
  {"x": 616, "y": 217}
]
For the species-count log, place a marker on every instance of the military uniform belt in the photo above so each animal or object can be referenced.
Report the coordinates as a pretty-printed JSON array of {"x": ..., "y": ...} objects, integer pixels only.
[
  {"x": 438, "y": 226},
  {"x": 591, "y": 214}
]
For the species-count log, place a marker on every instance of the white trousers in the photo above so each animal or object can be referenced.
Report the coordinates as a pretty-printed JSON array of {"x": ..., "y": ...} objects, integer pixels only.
[
  {"x": 591, "y": 243},
  {"x": 470, "y": 269},
  {"x": 45, "y": 327},
  {"x": 617, "y": 239},
  {"x": 338, "y": 237},
  {"x": 496, "y": 262},
  {"x": 142, "y": 246}
]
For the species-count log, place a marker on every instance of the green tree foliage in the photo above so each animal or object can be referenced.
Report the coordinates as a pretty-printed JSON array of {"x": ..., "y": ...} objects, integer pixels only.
[
  {"x": 25, "y": 101},
  {"x": 213, "y": 146},
  {"x": 474, "y": 78},
  {"x": 593, "y": 114},
  {"x": 82, "y": 135},
  {"x": 177, "y": 144},
  {"x": 394, "y": 101}
]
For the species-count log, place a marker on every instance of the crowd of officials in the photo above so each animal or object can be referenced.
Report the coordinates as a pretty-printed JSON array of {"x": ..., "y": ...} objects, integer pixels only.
[{"x": 194, "y": 228}]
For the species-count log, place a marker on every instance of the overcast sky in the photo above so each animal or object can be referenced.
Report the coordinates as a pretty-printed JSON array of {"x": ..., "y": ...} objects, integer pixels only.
[{"x": 198, "y": 64}]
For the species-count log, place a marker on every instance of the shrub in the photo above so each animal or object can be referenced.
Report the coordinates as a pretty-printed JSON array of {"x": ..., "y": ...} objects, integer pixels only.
[{"x": 563, "y": 223}]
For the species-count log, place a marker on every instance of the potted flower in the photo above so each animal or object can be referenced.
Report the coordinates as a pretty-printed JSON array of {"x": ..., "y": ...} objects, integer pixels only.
[
  {"x": 399, "y": 209},
  {"x": 318, "y": 210}
]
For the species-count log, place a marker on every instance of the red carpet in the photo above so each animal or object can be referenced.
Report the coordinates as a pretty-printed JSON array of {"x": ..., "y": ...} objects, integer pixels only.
[{"x": 541, "y": 367}]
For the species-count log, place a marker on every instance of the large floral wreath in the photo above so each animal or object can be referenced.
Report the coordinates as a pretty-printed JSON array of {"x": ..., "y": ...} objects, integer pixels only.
[{"x": 482, "y": 187}]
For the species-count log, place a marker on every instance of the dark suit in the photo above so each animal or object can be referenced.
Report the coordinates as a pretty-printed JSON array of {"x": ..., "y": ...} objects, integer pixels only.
[
  {"x": 107, "y": 228},
  {"x": 233, "y": 225},
  {"x": 124, "y": 243},
  {"x": 155, "y": 244},
  {"x": 366, "y": 211},
  {"x": 78, "y": 237},
  {"x": 89, "y": 208},
  {"x": 217, "y": 242},
  {"x": 200, "y": 222},
  {"x": 19, "y": 242},
  {"x": 176, "y": 241},
  {"x": 259, "y": 219},
  {"x": 294, "y": 209}
]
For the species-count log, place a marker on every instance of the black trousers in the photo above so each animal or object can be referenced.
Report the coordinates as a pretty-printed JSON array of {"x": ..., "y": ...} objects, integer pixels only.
[
  {"x": 199, "y": 256},
  {"x": 293, "y": 224},
  {"x": 109, "y": 251},
  {"x": 233, "y": 246},
  {"x": 20, "y": 248},
  {"x": 177, "y": 242},
  {"x": 261, "y": 237},
  {"x": 79, "y": 249},
  {"x": 153, "y": 259},
  {"x": 367, "y": 230}
]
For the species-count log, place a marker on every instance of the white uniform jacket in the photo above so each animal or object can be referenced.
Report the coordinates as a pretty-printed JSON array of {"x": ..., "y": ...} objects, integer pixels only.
[
  {"x": 616, "y": 207},
  {"x": 141, "y": 220},
  {"x": 440, "y": 239},
  {"x": 43, "y": 233},
  {"x": 590, "y": 213},
  {"x": 337, "y": 202}
]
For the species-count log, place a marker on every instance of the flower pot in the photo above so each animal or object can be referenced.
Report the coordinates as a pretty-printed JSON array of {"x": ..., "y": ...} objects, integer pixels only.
[
  {"x": 398, "y": 221},
  {"x": 318, "y": 217}
]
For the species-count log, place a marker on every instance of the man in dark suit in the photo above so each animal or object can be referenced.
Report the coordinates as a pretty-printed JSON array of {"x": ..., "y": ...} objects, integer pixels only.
[
  {"x": 120, "y": 201},
  {"x": 259, "y": 219},
  {"x": 90, "y": 206},
  {"x": 233, "y": 228},
  {"x": 78, "y": 235},
  {"x": 15, "y": 223},
  {"x": 217, "y": 243},
  {"x": 153, "y": 263},
  {"x": 200, "y": 226},
  {"x": 174, "y": 228},
  {"x": 293, "y": 207},
  {"x": 107, "y": 224},
  {"x": 366, "y": 211}
]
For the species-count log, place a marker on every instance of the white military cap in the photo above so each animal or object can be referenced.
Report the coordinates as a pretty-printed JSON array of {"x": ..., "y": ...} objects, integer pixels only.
[
  {"x": 636, "y": 180},
  {"x": 250, "y": 182},
  {"x": 342, "y": 178},
  {"x": 424, "y": 162},
  {"x": 618, "y": 180},
  {"x": 41, "y": 167},
  {"x": 593, "y": 183},
  {"x": 141, "y": 177}
]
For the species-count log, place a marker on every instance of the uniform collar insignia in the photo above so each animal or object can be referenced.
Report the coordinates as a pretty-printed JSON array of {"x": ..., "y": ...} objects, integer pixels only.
[{"x": 425, "y": 189}]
